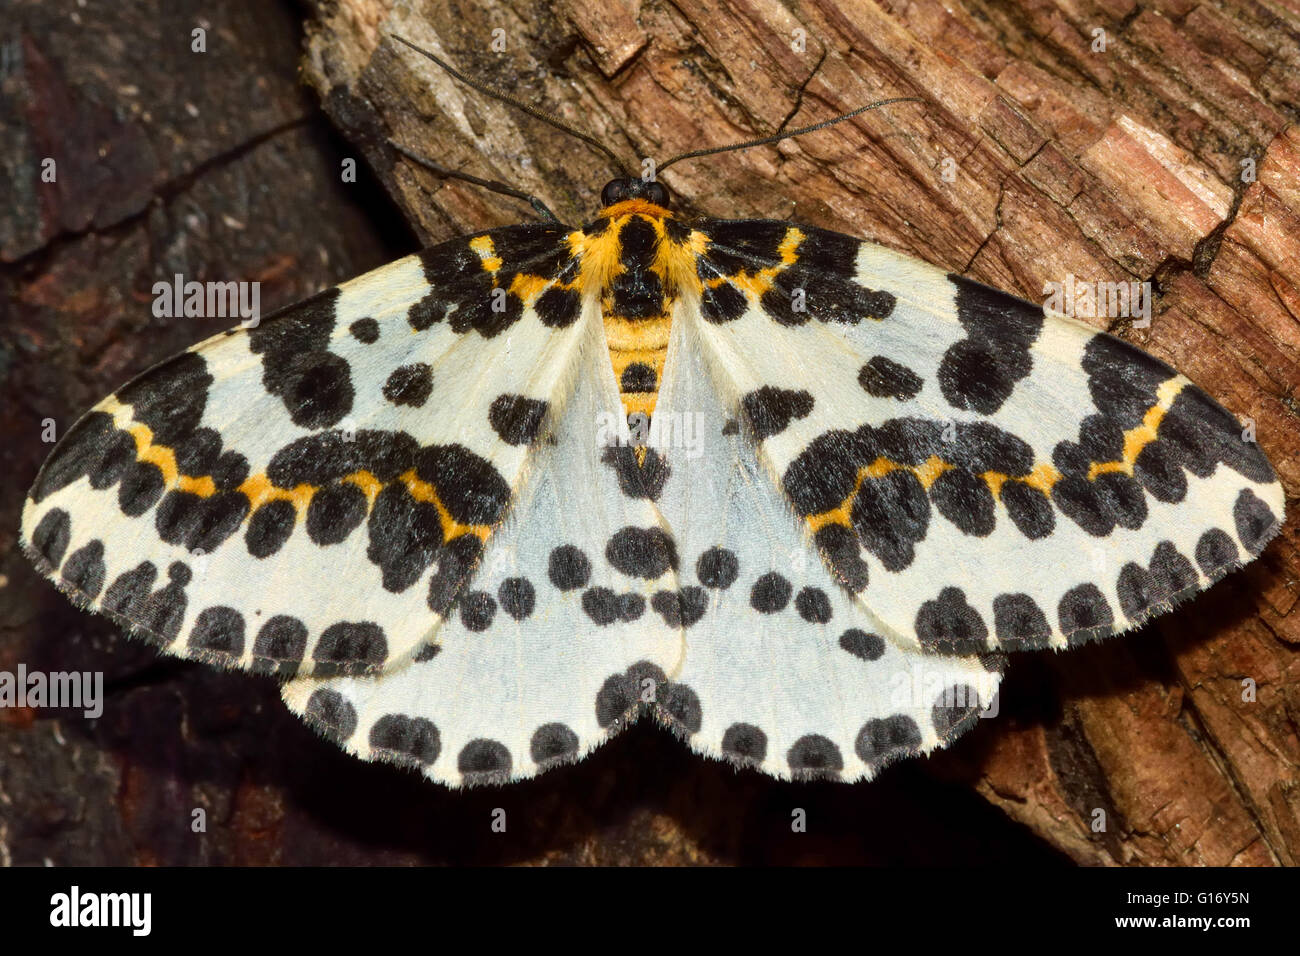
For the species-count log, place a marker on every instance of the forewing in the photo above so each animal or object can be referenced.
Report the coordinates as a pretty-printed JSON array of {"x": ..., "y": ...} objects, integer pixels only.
[
  {"x": 980, "y": 473},
  {"x": 308, "y": 495}
]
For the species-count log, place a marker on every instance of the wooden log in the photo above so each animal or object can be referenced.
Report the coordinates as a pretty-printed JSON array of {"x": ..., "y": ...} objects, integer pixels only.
[{"x": 1103, "y": 140}]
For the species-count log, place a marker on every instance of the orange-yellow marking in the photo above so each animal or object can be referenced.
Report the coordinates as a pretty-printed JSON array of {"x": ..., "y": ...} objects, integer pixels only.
[
  {"x": 486, "y": 251},
  {"x": 1139, "y": 436},
  {"x": 756, "y": 284},
  {"x": 259, "y": 490},
  {"x": 1043, "y": 476}
]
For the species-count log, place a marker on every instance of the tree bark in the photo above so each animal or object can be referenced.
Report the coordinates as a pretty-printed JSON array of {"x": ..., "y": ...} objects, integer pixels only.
[
  {"x": 1108, "y": 141},
  {"x": 1041, "y": 151}
]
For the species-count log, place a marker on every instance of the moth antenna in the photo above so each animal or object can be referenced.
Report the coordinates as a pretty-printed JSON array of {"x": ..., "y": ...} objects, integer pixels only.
[
  {"x": 518, "y": 104},
  {"x": 491, "y": 184},
  {"x": 790, "y": 132}
]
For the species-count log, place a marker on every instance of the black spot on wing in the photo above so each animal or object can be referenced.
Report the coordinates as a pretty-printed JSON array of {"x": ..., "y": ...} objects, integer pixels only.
[
  {"x": 331, "y": 715},
  {"x": 868, "y": 647},
  {"x": 630, "y": 607},
  {"x": 745, "y": 743},
  {"x": 770, "y": 409},
  {"x": 85, "y": 569},
  {"x": 1138, "y": 591},
  {"x": 842, "y": 552},
  {"x": 568, "y": 568},
  {"x": 722, "y": 302},
  {"x": 1084, "y": 614},
  {"x": 1029, "y": 509},
  {"x": 365, "y": 331},
  {"x": 314, "y": 384},
  {"x": 335, "y": 512},
  {"x": 823, "y": 474},
  {"x": 814, "y": 757},
  {"x": 558, "y": 308},
  {"x": 484, "y": 761},
  {"x": 477, "y": 609},
  {"x": 552, "y": 743},
  {"x": 770, "y": 593},
  {"x": 401, "y": 739},
  {"x": 954, "y": 710},
  {"x": 349, "y": 647},
  {"x": 269, "y": 527},
  {"x": 813, "y": 605},
  {"x": 890, "y": 515},
  {"x": 197, "y": 523},
  {"x": 51, "y": 535},
  {"x": 409, "y": 385},
  {"x": 641, "y": 552},
  {"x": 1216, "y": 553},
  {"x": 1255, "y": 521},
  {"x": 162, "y": 613},
  {"x": 601, "y": 605},
  {"x": 637, "y": 478},
  {"x": 470, "y": 488},
  {"x": 966, "y": 501},
  {"x": 621, "y": 695},
  {"x": 1173, "y": 571},
  {"x": 883, "y": 741},
  {"x": 679, "y": 707},
  {"x": 980, "y": 371},
  {"x": 949, "y": 625},
  {"x": 456, "y": 561},
  {"x": 885, "y": 378},
  {"x": 279, "y": 646},
  {"x": 717, "y": 567},
  {"x": 517, "y": 420},
  {"x": 1019, "y": 622},
  {"x": 218, "y": 634},
  {"x": 130, "y": 590},
  {"x": 517, "y": 597},
  {"x": 681, "y": 608}
]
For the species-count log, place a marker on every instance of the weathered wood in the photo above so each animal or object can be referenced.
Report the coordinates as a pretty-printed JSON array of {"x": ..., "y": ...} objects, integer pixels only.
[{"x": 1109, "y": 141}]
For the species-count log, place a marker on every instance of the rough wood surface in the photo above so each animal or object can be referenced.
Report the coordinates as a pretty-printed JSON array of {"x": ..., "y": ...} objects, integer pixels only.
[{"x": 1035, "y": 156}]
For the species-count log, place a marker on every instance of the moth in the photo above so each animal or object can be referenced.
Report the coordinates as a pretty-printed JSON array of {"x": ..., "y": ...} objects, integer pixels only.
[{"x": 795, "y": 495}]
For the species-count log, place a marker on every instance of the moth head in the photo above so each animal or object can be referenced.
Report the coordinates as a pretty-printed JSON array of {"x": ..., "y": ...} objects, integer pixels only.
[{"x": 619, "y": 190}]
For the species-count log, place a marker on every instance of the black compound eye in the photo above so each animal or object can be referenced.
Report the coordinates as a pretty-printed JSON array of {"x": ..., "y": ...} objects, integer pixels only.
[
  {"x": 656, "y": 194},
  {"x": 615, "y": 191}
]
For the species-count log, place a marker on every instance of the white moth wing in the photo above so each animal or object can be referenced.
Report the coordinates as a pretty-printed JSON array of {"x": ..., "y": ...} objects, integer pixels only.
[
  {"x": 984, "y": 475},
  {"x": 278, "y": 497},
  {"x": 790, "y": 673}
]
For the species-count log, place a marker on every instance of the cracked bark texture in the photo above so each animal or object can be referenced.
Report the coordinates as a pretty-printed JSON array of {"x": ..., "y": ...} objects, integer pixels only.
[{"x": 1035, "y": 156}]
